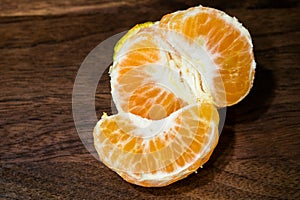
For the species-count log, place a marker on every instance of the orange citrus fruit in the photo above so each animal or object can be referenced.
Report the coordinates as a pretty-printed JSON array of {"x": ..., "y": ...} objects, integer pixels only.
[
  {"x": 160, "y": 152},
  {"x": 167, "y": 79},
  {"x": 225, "y": 42},
  {"x": 145, "y": 76}
]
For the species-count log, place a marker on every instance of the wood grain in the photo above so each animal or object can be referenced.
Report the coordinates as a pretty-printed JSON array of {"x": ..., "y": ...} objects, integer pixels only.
[{"x": 43, "y": 43}]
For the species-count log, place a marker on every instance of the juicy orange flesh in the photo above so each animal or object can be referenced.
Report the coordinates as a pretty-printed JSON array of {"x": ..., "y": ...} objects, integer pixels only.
[
  {"x": 157, "y": 154},
  {"x": 121, "y": 137},
  {"x": 137, "y": 58},
  {"x": 146, "y": 100},
  {"x": 151, "y": 183},
  {"x": 143, "y": 52},
  {"x": 234, "y": 54},
  {"x": 180, "y": 162},
  {"x": 154, "y": 102}
]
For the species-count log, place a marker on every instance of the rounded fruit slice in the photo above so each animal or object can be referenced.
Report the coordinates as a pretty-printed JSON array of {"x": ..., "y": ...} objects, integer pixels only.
[
  {"x": 221, "y": 48},
  {"x": 158, "y": 152},
  {"x": 148, "y": 77}
]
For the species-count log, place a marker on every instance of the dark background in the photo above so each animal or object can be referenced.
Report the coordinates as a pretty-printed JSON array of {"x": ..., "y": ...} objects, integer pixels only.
[{"x": 43, "y": 43}]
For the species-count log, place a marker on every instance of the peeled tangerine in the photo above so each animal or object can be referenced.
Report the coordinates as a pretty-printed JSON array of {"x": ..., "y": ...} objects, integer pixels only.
[{"x": 168, "y": 78}]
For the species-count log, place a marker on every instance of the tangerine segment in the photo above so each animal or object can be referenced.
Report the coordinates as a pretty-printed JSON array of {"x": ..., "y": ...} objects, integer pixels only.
[
  {"x": 227, "y": 43},
  {"x": 131, "y": 78},
  {"x": 151, "y": 91},
  {"x": 145, "y": 91},
  {"x": 158, "y": 152},
  {"x": 153, "y": 102},
  {"x": 146, "y": 77}
]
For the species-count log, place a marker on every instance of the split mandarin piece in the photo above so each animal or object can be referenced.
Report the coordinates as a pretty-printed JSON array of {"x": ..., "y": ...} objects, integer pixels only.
[
  {"x": 137, "y": 66},
  {"x": 148, "y": 73},
  {"x": 164, "y": 151},
  {"x": 139, "y": 90},
  {"x": 228, "y": 45},
  {"x": 145, "y": 75}
]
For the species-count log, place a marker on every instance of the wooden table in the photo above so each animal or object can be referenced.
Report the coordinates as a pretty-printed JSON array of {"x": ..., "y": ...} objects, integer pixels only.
[{"x": 42, "y": 45}]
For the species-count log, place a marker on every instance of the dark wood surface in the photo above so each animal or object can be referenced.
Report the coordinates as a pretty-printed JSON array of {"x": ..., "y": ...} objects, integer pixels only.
[{"x": 43, "y": 43}]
